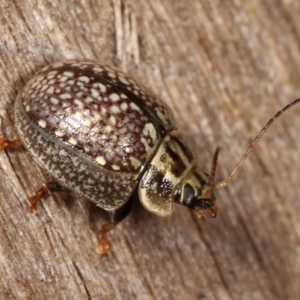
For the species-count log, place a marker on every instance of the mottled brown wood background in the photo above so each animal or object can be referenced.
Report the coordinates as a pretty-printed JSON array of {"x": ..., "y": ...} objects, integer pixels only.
[{"x": 224, "y": 67}]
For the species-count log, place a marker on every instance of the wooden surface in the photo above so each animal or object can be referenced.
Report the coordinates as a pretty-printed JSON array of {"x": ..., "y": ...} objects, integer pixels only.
[{"x": 224, "y": 67}]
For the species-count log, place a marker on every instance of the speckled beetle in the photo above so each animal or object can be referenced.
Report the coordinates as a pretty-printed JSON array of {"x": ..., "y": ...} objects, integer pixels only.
[{"x": 102, "y": 135}]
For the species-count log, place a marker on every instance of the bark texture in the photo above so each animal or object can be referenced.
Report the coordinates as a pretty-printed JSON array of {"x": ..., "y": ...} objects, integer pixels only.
[{"x": 224, "y": 67}]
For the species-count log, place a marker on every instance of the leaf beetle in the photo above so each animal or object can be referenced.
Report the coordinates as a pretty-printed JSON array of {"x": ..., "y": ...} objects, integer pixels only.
[{"x": 102, "y": 135}]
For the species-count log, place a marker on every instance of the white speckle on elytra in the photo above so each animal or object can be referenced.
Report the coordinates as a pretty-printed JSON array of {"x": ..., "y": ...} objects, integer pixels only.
[
  {"x": 62, "y": 125},
  {"x": 52, "y": 73},
  {"x": 108, "y": 128},
  {"x": 79, "y": 103},
  {"x": 114, "y": 109},
  {"x": 27, "y": 108},
  {"x": 114, "y": 97},
  {"x": 72, "y": 141},
  {"x": 84, "y": 130},
  {"x": 104, "y": 137},
  {"x": 63, "y": 79},
  {"x": 96, "y": 115},
  {"x": 123, "y": 80},
  {"x": 122, "y": 129},
  {"x": 96, "y": 129},
  {"x": 88, "y": 122},
  {"x": 42, "y": 123},
  {"x": 87, "y": 148},
  {"x": 94, "y": 93},
  {"x": 65, "y": 96},
  {"x": 52, "y": 81},
  {"x": 115, "y": 167},
  {"x": 50, "y": 90},
  {"x": 100, "y": 160},
  {"x": 103, "y": 111},
  {"x": 78, "y": 114},
  {"x": 68, "y": 74},
  {"x": 66, "y": 104},
  {"x": 149, "y": 129},
  {"x": 93, "y": 139},
  {"x": 44, "y": 87},
  {"x": 84, "y": 79},
  {"x": 88, "y": 100},
  {"x": 135, "y": 162},
  {"x": 58, "y": 133},
  {"x": 98, "y": 69},
  {"x": 54, "y": 100},
  {"x": 124, "y": 106},
  {"x": 111, "y": 74},
  {"x": 134, "y": 106},
  {"x": 112, "y": 121},
  {"x": 145, "y": 143},
  {"x": 128, "y": 149},
  {"x": 34, "y": 84},
  {"x": 102, "y": 87}
]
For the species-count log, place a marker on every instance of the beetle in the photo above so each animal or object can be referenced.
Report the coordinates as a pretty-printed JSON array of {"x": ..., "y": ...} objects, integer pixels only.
[{"x": 102, "y": 135}]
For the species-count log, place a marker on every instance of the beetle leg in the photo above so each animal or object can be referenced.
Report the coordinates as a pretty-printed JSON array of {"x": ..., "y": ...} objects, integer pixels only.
[
  {"x": 50, "y": 186},
  {"x": 6, "y": 144},
  {"x": 104, "y": 246}
]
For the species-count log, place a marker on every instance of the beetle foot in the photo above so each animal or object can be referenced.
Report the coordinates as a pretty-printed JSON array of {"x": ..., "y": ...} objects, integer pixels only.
[
  {"x": 6, "y": 144},
  {"x": 36, "y": 197},
  {"x": 104, "y": 246},
  {"x": 198, "y": 213}
]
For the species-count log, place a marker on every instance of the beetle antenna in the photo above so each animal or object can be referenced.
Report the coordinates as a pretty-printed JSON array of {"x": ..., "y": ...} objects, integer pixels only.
[
  {"x": 257, "y": 138},
  {"x": 212, "y": 175}
]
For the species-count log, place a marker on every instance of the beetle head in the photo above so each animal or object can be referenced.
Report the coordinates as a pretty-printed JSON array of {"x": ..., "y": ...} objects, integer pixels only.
[
  {"x": 197, "y": 191},
  {"x": 194, "y": 193}
]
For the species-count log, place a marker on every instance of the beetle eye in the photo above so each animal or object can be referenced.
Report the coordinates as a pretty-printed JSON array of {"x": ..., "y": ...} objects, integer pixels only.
[{"x": 188, "y": 195}]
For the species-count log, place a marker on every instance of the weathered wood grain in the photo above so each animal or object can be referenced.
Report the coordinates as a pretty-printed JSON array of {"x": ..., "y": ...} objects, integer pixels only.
[{"x": 224, "y": 67}]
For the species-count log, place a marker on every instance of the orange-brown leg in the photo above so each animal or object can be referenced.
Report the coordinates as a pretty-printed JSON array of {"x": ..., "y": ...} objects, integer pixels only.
[
  {"x": 104, "y": 246},
  {"x": 50, "y": 186},
  {"x": 6, "y": 144},
  {"x": 36, "y": 197}
]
